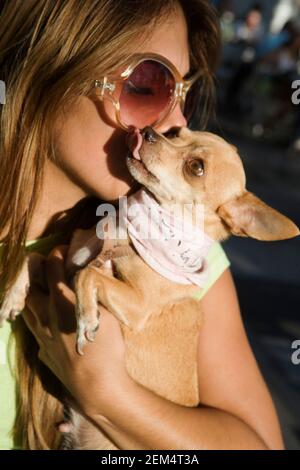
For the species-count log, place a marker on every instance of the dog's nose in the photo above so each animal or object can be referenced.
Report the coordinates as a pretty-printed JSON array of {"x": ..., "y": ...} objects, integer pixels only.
[{"x": 149, "y": 134}]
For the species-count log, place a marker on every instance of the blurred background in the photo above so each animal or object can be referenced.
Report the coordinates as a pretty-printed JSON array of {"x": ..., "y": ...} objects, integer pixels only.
[{"x": 261, "y": 59}]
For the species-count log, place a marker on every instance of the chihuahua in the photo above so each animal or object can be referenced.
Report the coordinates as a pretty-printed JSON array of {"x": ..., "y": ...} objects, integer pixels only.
[{"x": 150, "y": 282}]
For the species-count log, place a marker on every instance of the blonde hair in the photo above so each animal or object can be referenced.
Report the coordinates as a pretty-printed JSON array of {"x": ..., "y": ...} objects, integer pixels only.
[{"x": 50, "y": 52}]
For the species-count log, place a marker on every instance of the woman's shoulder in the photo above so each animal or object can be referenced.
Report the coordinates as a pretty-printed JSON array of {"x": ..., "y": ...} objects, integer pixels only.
[{"x": 44, "y": 244}]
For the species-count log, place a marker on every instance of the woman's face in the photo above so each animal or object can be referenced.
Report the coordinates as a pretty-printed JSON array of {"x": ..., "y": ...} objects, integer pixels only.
[{"x": 92, "y": 148}]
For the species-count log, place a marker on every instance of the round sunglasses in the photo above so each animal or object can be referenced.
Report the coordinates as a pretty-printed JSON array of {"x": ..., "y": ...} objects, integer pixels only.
[{"x": 147, "y": 91}]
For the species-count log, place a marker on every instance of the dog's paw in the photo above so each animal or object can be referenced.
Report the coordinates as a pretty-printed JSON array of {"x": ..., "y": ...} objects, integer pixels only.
[
  {"x": 13, "y": 304},
  {"x": 87, "y": 326}
]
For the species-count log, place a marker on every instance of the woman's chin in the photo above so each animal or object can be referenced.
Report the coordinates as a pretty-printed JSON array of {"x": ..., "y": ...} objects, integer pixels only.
[{"x": 119, "y": 189}]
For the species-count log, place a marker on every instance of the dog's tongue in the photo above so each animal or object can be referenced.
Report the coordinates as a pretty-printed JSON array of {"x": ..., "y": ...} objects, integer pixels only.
[{"x": 134, "y": 142}]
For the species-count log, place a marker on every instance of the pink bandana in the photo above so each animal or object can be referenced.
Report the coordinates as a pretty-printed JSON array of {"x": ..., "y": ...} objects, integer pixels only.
[{"x": 174, "y": 249}]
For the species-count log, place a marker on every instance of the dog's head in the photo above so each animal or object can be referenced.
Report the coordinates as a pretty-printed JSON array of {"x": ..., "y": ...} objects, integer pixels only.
[{"x": 194, "y": 167}]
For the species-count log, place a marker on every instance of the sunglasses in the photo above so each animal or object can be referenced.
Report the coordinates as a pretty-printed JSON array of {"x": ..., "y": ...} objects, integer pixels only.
[{"x": 147, "y": 91}]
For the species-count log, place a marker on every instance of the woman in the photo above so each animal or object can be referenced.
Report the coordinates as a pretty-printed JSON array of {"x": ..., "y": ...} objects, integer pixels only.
[{"x": 63, "y": 150}]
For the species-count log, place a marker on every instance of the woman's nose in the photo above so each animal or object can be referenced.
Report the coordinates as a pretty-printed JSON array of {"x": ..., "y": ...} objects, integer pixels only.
[{"x": 175, "y": 119}]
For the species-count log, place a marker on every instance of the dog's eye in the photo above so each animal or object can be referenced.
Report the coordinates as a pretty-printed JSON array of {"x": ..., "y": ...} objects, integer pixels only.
[{"x": 196, "y": 166}]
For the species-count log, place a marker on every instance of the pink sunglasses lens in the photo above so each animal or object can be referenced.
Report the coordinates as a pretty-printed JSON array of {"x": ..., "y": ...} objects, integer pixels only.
[{"x": 146, "y": 94}]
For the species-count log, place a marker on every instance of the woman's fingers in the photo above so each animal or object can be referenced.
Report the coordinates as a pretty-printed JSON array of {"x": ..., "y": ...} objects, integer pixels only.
[
  {"x": 62, "y": 316},
  {"x": 35, "y": 313},
  {"x": 40, "y": 316},
  {"x": 41, "y": 333},
  {"x": 31, "y": 320},
  {"x": 55, "y": 268},
  {"x": 37, "y": 301}
]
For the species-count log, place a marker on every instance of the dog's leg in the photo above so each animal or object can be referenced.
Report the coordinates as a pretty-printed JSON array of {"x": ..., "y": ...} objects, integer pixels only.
[
  {"x": 95, "y": 286},
  {"x": 14, "y": 301}
]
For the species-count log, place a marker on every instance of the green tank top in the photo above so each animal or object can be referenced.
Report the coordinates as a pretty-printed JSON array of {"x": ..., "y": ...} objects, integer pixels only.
[{"x": 217, "y": 260}]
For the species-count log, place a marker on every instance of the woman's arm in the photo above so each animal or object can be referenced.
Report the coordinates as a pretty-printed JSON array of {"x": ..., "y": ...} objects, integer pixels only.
[
  {"x": 236, "y": 410},
  {"x": 147, "y": 421}
]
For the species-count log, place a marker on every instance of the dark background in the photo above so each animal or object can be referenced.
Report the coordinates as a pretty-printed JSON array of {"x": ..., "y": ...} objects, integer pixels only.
[{"x": 261, "y": 42}]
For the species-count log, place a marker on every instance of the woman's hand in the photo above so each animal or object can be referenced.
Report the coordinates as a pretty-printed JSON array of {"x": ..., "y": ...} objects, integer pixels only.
[{"x": 51, "y": 319}]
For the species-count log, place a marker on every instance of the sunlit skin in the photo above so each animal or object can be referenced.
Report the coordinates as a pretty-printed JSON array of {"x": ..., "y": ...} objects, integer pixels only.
[{"x": 237, "y": 411}]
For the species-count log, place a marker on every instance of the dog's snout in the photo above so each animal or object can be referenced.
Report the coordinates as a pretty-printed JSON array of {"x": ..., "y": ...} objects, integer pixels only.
[{"x": 149, "y": 134}]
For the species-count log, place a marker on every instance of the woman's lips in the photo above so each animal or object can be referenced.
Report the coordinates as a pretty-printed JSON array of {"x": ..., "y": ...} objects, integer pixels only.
[{"x": 134, "y": 141}]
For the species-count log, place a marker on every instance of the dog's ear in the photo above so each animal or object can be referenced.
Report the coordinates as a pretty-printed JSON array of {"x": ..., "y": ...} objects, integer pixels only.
[{"x": 248, "y": 216}]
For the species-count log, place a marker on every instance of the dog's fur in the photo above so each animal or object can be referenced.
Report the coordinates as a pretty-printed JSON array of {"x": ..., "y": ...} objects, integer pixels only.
[{"x": 159, "y": 319}]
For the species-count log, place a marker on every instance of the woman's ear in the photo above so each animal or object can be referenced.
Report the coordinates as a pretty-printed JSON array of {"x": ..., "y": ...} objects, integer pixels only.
[{"x": 248, "y": 216}]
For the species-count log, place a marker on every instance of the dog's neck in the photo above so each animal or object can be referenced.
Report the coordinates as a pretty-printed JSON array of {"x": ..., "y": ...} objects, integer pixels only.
[{"x": 170, "y": 244}]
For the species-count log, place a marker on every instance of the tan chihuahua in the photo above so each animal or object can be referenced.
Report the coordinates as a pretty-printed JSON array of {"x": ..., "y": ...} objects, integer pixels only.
[{"x": 159, "y": 317}]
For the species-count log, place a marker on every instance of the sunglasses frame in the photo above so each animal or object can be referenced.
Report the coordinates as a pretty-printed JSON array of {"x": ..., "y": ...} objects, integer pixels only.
[{"x": 106, "y": 86}]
